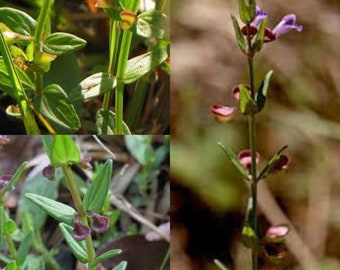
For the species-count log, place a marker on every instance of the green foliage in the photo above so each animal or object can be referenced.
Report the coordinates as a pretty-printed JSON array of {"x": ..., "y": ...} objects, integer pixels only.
[
  {"x": 121, "y": 266},
  {"x": 57, "y": 210},
  {"x": 262, "y": 92},
  {"x": 241, "y": 41},
  {"x": 152, "y": 24},
  {"x": 78, "y": 248},
  {"x": 106, "y": 121},
  {"x": 105, "y": 256},
  {"x": 64, "y": 151},
  {"x": 96, "y": 194},
  {"x": 62, "y": 43}
]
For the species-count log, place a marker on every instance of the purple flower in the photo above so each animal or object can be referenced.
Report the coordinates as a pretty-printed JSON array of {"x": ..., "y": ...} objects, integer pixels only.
[
  {"x": 223, "y": 114},
  {"x": 260, "y": 16},
  {"x": 49, "y": 172},
  {"x": 244, "y": 156},
  {"x": 80, "y": 231},
  {"x": 277, "y": 233},
  {"x": 287, "y": 23},
  {"x": 4, "y": 179},
  {"x": 100, "y": 223}
]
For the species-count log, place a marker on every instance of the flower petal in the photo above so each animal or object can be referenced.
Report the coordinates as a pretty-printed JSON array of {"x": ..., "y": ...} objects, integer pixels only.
[
  {"x": 223, "y": 114},
  {"x": 287, "y": 23}
]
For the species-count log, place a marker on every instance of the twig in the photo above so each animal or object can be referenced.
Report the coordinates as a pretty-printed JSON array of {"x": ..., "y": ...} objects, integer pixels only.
[{"x": 104, "y": 147}]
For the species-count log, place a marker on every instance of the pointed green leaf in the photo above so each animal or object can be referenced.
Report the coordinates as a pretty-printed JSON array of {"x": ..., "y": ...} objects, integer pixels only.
[
  {"x": 232, "y": 156},
  {"x": 62, "y": 43},
  {"x": 249, "y": 237},
  {"x": 261, "y": 95},
  {"x": 54, "y": 106},
  {"x": 121, "y": 266},
  {"x": 57, "y": 210},
  {"x": 241, "y": 41},
  {"x": 15, "y": 177},
  {"x": 247, "y": 104},
  {"x": 96, "y": 194},
  {"x": 64, "y": 151},
  {"x": 93, "y": 86},
  {"x": 260, "y": 36},
  {"x": 24, "y": 248},
  {"x": 48, "y": 143},
  {"x": 152, "y": 24},
  {"x": 270, "y": 167},
  {"x": 12, "y": 266},
  {"x": 105, "y": 256},
  {"x": 18, "y": 21},
  {"x": 247, "y": 13},
  {"x": 105, "y": 122},
  {"x": 142, "y": 64},
  {"x": 77, "y": 247}
]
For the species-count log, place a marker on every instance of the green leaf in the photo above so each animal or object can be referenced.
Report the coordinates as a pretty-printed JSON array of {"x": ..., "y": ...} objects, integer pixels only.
[
  {"x": 262, "y": 92},
  {"x": 247, "y": 13},
  {"x": 241, "y": 41},
  {"x": 247, "y": 104},
  {"x": 12, "y": 266},
  {"x": 105, "y": 122},
  {"x": 15, "y": 177},
  {"x": 2, "y": 218},
  {"x": 93, "y": 86},
  {"x": 18, "y": 21},
  {"x": 64, "y": 151},
  {"x": 54, "y": 106},
  {"x": 152, "y": 24},
  {"x": 141, "y": 149},
  {"x": 57, "y": 210},
  {"x": 62, "y": 43},
  {"x": 249, "y": 237},
  {"x": 232, "y": 156},
  {"x": 34, "y": 262},
  {"x": 270, "y": 167},
  {"x": 48, "y": 143},
  {"x": 260, "y": 36},
  {"x": 105, "y": 256},
  {"x": 77, "y": 247},
  {"x": 24, "y": 248},
  {"x": 10, "y": 226},
  {"x": 5, "y": 81},
  {"x": 96, "y": 194},
  {"x": 142, "y": 64},
  {"x": 121, "y": 266}
]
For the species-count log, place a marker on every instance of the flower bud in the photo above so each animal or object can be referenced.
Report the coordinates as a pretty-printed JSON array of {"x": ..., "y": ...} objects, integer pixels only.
[
  {"x": 128, "y": 19},
  {"x": 277, "y": 233},
  {"x": 80, "y": 231},
  {"x": 100, "y": 223},
  {"x": 49, "y": 172},
  {"x": 244, "y": 157},
  {"x": 223, "y": 114}
]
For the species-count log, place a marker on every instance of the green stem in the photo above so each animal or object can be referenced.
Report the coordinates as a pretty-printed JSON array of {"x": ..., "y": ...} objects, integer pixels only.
[
  {"x": 43, "y": 17},
  {"x": 166, "y": 258},
  {"x": 122, "y": 64},
  {"x": 11, "y": 246},
  {"x": 80, "y": 210},
  {"x": 252, "y": 146},
  {"x": 114, "y": 43},
  {"x": 161, "y": 5}
]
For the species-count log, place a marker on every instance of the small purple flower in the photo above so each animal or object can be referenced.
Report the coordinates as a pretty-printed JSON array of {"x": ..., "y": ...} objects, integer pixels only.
[
  {"x": 80, "y": 231},
  {"x": 100, "y": 223},
  {"x": 260, "y": 16},
  {"x": 277, "y": 233},
  {"x": 4, "y": 180},
  {"x": 287, "y": 23},
  {"x": 223, "y": 114},
  {"x": 282, "y": 163}
]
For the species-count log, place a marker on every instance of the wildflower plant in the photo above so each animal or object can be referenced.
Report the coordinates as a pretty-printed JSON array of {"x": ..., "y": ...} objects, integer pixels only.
[
  {"x": 251, "y": 37},
  {"x": 28, "y": 48}
]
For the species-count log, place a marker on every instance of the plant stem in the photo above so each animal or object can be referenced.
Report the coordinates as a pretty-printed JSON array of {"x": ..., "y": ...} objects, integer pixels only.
[
  {"x": 252, "y": 146},
  {"x": 166, "y": 258},
  {"x": 122, "y": 64},
  {"x": 80, "y": 210}
]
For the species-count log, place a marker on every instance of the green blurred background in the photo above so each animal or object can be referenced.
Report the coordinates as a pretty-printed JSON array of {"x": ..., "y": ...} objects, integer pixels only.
[{"x": 303, "y": 112}]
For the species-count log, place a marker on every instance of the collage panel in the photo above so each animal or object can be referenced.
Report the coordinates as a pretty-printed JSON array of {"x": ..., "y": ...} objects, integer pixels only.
[
  {"x": 84, "y": 67},
  {"x": 255, "y": 135},
  {"x": 84, "y": 202}
]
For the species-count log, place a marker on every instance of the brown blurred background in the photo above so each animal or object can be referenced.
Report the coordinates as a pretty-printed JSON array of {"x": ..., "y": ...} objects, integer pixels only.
[{"x": 303, "y": 112}]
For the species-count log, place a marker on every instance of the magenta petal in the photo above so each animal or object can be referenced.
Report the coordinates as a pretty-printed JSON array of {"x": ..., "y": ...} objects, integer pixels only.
[
  {"x": 244, "y": 156},
  {"x": 223, "y": 114},
  {"x": 100, "y": 223}
]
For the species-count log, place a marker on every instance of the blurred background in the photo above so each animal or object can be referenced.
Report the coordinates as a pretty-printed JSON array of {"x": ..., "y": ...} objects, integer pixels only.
[{"x": 303, "y": 111}]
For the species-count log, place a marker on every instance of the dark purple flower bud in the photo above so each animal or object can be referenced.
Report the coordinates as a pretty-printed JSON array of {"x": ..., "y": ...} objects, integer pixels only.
[
  {"x": 4, "y": 179},
  {"x": 223, "y": 114},
  {"x": 100, "y": 223},
  {"x": 244, "y": 156},
  {"x": 277, "y": 233},
  {"x": 282, "y": 163},
  {"x": 80, "y": 231},
  {"x": 49, "y": 172},
  {"x": 287, "y": 23},
  {"x": 84, "y": 163},
  {"x": 4, "y": 139}
]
